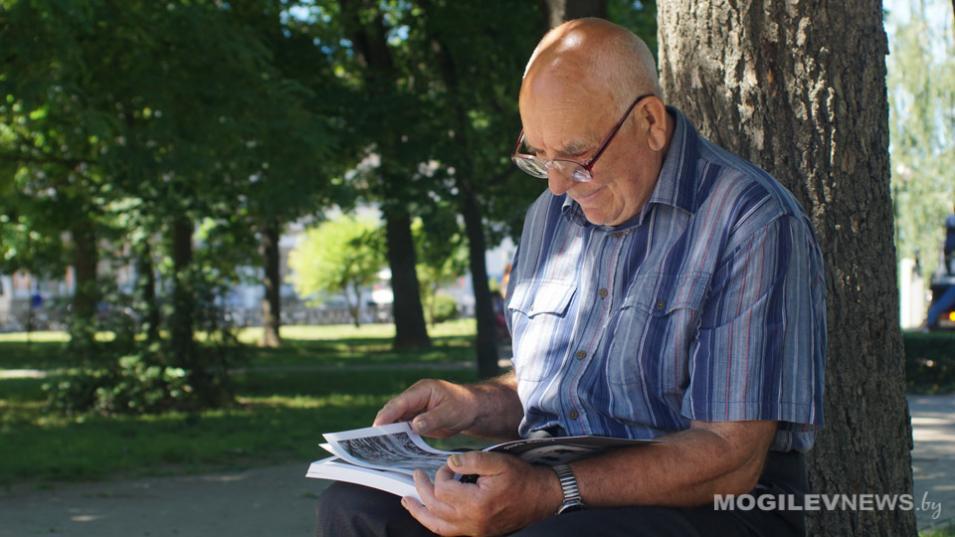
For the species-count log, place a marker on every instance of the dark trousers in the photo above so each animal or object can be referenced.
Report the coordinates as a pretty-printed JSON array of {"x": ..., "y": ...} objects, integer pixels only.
[{"x": 346, "y": 510}]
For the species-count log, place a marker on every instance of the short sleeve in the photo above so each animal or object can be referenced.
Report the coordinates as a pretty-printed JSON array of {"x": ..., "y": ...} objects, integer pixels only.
[{"x": 760, "y": 350}]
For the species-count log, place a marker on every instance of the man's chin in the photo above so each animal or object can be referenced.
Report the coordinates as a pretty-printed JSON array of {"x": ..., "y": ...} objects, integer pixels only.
[{"x": 595, "y": 216}]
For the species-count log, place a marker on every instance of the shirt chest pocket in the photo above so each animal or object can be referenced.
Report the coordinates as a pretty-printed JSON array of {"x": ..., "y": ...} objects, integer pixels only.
[
  {"x": 653, "y": 331},
  {"x": 540, "y": 327}
]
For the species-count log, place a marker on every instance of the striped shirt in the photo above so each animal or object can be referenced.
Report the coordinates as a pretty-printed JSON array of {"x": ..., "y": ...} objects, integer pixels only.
[{"x": 709, "y": 304}]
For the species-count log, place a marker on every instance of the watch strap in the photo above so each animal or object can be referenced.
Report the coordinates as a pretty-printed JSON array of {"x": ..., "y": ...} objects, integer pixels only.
[{"x": 568, "y": 484}]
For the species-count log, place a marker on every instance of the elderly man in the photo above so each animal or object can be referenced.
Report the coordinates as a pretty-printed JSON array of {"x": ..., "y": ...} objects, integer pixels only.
[{"x": 663, "y": 289}]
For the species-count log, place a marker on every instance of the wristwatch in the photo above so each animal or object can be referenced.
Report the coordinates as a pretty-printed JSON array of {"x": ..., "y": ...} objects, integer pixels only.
[{"x": 568, "y": 484}]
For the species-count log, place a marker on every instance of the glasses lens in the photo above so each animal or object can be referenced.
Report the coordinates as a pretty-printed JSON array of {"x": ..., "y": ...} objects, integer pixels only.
[
  {"x": 571, "y": 170},
  {"x": 531, "y": 166}
]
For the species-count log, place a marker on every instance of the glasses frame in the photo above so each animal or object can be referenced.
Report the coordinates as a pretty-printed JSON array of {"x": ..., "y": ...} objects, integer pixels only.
[{"x": 586, "y": 166}]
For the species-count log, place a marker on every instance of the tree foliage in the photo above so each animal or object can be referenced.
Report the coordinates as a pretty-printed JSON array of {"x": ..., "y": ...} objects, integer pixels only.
[
  {"x": 442, "y": 258},
  {"x": 343, "y": 256},
  {"x": 921, "y": 83},
  {"x": 181, "y": 137}
]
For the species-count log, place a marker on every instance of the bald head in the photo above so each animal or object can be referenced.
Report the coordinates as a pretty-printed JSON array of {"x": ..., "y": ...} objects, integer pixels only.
[
  {"x": 590, "y": 60},
  {"x": 576, "y": 99}
]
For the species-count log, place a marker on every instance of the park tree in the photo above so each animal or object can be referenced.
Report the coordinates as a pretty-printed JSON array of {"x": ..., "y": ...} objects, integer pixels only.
[
  {"x": 921, "y": 81},
  {"x": 442, "y": 256},
  {"x": 477, "y": 66},
  {"x": 300, "y": 154},
  {"x": 385, "y": 118},
  {"x": 340, "y": 256},
  {"x": 54, "y": 141},
  {"x": 801, "y": 91},
  {"x": 159, "y": 111}
]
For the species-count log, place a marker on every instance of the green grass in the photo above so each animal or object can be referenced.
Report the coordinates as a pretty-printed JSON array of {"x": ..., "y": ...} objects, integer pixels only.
[
  {"x": 302, "y": 345},
  {"x": 948, "y": 530},
  {"x": 930, "y": 362},
  {"x": 322, "y": 380},
  {"x": 342, "y": 345}
]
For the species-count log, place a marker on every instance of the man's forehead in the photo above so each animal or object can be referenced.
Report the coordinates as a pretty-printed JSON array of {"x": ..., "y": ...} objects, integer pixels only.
[
  {"x": 569, "y": 146},
  {"x": 567, "y": 123}
]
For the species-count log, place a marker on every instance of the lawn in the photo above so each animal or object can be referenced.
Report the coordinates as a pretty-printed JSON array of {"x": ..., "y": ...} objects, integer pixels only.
[
  {"x": 323, "y": 379},
  {"x": 948, "y": 530},
  {"x": 336, "y": 345}
]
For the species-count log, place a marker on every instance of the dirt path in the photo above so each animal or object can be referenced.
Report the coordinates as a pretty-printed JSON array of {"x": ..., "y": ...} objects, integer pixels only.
[{"x": 277, "y": 501}]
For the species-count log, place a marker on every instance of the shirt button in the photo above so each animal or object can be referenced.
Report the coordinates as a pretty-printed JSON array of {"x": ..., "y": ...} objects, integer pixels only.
[
  {"x": 660, "y": 305},
  {"x": 580, "y": 355},
  {"x": 603, "y": 293},
  {"x": 573, "y": 414}
]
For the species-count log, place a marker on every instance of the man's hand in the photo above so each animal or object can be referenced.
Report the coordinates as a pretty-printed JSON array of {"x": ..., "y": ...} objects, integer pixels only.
[
  {"x": 509, "y": 494},
  {"x": 435, "y": 408}
]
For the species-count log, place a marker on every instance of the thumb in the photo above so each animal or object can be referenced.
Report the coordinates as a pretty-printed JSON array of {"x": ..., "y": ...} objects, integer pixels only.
[{"x": 478, "y": 462}]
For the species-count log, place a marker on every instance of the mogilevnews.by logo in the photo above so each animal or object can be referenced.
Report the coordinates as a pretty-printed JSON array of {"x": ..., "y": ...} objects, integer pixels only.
[{"x": 826, "y": 502}]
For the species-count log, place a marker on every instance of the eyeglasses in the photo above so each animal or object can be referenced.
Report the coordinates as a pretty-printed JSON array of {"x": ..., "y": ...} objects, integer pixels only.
[{"x": 577, "y": 171}]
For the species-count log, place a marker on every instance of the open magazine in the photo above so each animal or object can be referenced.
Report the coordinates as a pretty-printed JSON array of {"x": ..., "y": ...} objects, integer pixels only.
[{"x": 385, "y": 457}]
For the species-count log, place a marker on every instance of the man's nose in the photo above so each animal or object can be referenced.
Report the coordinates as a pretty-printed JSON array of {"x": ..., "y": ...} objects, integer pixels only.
[{"x": 557, "y": 182}]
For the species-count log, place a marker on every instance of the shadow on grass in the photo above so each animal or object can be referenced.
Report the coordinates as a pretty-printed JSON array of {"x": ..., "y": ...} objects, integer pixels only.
[
  {"x": 362, "y": 350},
  {"x": 302, "y": 345},
  {"x": 279, "y": 417}
]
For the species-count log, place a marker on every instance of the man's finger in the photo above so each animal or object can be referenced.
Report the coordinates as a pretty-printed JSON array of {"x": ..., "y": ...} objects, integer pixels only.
[
  {"x": 403, "y": 407},
  {"x": 426, "y": 492},
  {"x": 479, "y": 463},
  {"x": 444, "y": 474},
  {"x": 427, "y": 519}
]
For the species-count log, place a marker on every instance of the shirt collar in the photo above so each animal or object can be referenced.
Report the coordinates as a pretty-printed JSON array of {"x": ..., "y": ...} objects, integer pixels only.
[{"x": 676, "y": 185}]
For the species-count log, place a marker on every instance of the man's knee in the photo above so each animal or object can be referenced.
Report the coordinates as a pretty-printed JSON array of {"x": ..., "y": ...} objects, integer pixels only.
[
  {"x": 346, "y": 510},
  {"x": 645, "y": 521}
]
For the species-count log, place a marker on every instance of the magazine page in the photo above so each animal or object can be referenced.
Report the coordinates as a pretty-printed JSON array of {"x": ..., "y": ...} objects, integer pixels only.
[
  {"x": 336, "y": 469},
  {"x": 392, "y": 447}
]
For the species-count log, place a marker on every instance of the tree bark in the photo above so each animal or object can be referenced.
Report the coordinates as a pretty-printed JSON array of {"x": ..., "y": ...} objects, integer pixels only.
[
  {"x": 558, "y": 11},
  {"x": 410, "y": 329},
  {"x": 147, "y": 290},
  {"x": 355, "y": 307},
  {"x": 799, "y": 89},
  {"x": 86, "y": 293},
  {"x": 483, "y": 306},
  {"x": 272, "y": 281},
  {"x": 184, "y": 302}
]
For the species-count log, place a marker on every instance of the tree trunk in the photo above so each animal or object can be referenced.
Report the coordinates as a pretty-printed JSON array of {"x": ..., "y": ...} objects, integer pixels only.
[
  {"x": 483, "y": 305},
  {"x": 147, "y": 289},
  {"x": 183, "y": 298},
  {"x": 486, "y": 341},
  {"x": 272, "y": 281},
  {"x": 410, "y": 329},
  {"x": 86, "y": 293},
  {"x": 558, "y": 11},
  {"x": 800, "y": 90},
  {"x": 370, "y": 40},
  {"x": 355, "y": 308}
]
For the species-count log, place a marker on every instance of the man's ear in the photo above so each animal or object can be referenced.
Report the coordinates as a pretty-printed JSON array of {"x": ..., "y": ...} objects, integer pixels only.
[{"x": 654, "y": 113}]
